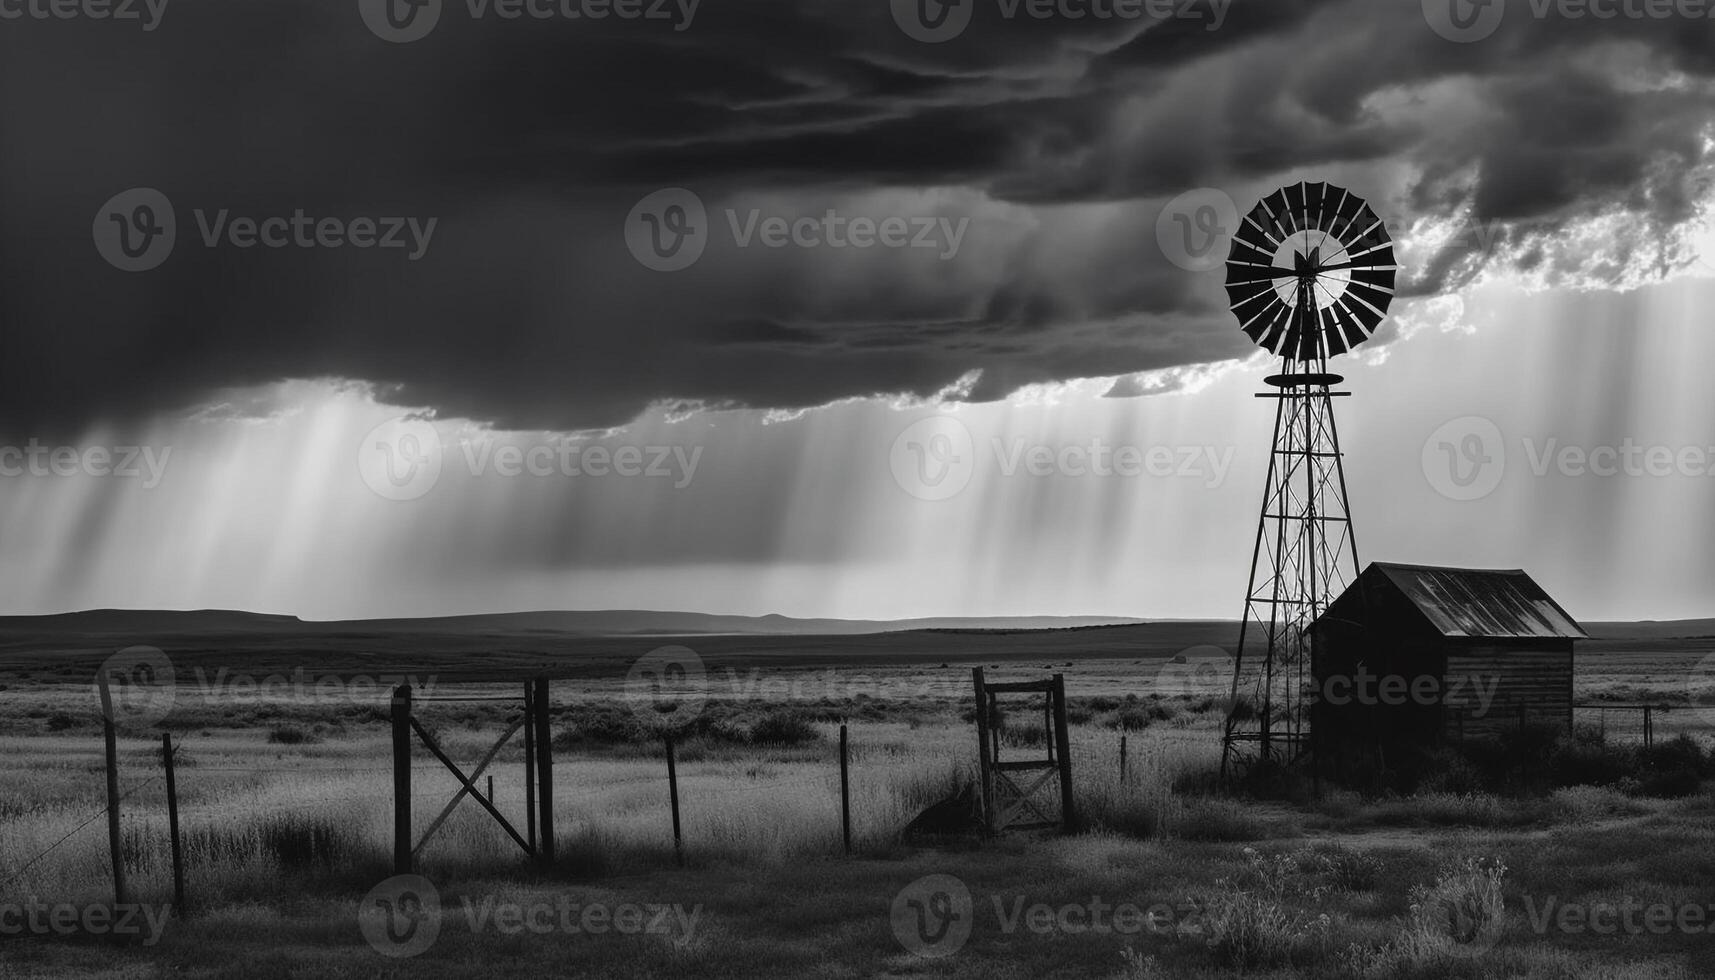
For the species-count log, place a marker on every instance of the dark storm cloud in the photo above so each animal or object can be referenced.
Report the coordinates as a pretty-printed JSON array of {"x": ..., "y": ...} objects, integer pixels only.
[{"x": 529, "y": 141}]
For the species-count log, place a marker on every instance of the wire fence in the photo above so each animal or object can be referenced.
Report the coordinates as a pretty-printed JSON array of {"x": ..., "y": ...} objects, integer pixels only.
[{"x": 230, "y": 798}]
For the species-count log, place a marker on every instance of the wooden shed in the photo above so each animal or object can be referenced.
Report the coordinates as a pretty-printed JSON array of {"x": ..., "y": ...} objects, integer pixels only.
[{"x": 1412, "y": 656}]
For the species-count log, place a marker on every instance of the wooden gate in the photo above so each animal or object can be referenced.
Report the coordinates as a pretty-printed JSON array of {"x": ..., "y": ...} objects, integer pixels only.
[
  {"x": 538, "y": 838},
  {"x": 1017, "y": 793}
]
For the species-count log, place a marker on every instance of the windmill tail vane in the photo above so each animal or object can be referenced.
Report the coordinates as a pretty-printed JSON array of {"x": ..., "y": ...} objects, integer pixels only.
[{"x": 1310, "y": 275}]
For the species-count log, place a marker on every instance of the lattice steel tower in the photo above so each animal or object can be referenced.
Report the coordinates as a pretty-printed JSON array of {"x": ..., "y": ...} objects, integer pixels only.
[{"x": 1311, "y": 274}]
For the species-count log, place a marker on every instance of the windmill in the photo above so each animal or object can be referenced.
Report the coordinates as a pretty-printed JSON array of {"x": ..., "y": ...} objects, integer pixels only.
[{"x": 1310, "y": 275}]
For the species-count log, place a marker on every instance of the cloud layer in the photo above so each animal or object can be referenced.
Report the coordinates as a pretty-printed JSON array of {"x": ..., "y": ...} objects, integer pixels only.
[{"x": 1053, "y": 143}]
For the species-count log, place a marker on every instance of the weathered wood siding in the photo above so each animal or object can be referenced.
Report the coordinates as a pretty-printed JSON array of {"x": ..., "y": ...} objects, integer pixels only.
[{"x": 1490, "y": 687}]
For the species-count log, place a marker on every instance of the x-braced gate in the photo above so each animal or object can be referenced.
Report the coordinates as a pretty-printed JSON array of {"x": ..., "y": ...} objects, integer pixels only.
[
  {"x": 538, "y": 838},
  {"x": 1012, "y": 790}
]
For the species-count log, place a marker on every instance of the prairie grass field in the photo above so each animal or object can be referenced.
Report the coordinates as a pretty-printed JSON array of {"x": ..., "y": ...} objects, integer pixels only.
[{"x": 286, "y": 817}]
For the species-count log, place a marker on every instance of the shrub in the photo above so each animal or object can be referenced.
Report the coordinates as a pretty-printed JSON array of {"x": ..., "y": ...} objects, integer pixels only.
[
  {"x": 60, "y": 722},
  {"x": 1250, "y": 923},
  {"x": 1579, "y": 762},
  {"x": 784, "y": 728},
  {"x": 289, "y": 735},
  {"x": 603, "y": 725},
  {"x": 1351, "y": 871},
  {"x": 1220, "y": 820},
  {"x": 1679, "y": 754},
  {"x": 1677, "y": 784},
  {"x": 1463, "y": 911}
]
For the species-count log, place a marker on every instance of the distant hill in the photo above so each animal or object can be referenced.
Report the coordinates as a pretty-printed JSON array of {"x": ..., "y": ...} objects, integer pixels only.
[
  {"x": 152, "y": 621},
  {"x": 1667, "y": 629},
  {"x": 642, "y": 622},
  {"x": 615, "y": 622}
]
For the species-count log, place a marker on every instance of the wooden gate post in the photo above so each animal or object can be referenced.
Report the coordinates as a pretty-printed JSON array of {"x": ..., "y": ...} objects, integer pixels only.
[
  {"x": 402, "y": 779},
  {"x": 530, "y": 768},
  {"x": 1068, "y": 816},
  {"x": 544, "y": 774},
  {"x": 985, "y": 776}
]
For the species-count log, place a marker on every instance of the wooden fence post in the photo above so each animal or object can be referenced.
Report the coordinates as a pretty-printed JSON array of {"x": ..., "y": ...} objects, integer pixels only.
[
  {"x": 173, "y": 824},
  {"x": 673, "y": 797},
  {"x": 1068, "y": 815},
  {"x": 402, "y": 779},
  {"x": 1123, "y": 770},
  {"x": 845, "y": 791},
  {"x": 530, "y": 768},
  {"x": 544, "y": 774},
  {"x": 110, "y": 742},
  {"x": 985, "y": 773}
]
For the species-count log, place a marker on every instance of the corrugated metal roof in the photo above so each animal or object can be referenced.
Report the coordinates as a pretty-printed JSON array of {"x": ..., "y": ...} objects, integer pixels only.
[{"x": 1482, "y": 603}]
